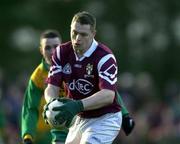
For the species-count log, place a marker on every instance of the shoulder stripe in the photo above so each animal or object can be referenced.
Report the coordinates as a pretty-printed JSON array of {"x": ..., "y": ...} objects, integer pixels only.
[
  {"x": 54, "y": 70},
  {"x": 104, "y": 59},
  {"x": 54, "y": 61}
]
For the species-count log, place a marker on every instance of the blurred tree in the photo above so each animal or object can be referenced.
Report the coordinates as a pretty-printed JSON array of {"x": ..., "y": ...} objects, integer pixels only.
[{"x": 143, "y": 34}]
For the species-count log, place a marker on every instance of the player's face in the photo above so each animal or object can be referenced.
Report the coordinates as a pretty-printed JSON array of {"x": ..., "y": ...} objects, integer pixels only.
[
  {"x": 48, "y": 45},
  {"x": 81, "y": 37}
]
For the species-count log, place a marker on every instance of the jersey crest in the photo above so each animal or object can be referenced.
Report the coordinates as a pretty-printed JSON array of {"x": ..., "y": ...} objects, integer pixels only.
[
  {"x": 89, "y": 70},
  {"x": 67, "y": 69}
]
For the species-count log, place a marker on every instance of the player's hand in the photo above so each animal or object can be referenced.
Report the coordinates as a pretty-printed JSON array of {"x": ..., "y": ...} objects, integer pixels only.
[
  {"x": 45, "y": 108},
  {"x": 128, "y": 124},
  {"x": 63, "y": 100},
  {"x": 27, "y": 141},
  {"x": 68, "y": 110}
]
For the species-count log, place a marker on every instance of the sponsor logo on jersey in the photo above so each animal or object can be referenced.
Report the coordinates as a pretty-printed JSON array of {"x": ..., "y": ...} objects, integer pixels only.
[
  {"x": 82, "y": 85},
  {"x": 67, "y": 69}
]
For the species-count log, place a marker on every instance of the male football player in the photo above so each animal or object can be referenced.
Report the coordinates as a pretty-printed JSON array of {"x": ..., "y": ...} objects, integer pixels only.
[
  {"x": 89, "y": 70},
  {"x": 33, "y": 127}
]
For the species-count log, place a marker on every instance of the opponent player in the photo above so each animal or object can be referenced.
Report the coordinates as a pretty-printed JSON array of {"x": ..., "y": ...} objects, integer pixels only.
[
  {"x": 34, "y": 100},
  {"x": 89, "y": 70}
]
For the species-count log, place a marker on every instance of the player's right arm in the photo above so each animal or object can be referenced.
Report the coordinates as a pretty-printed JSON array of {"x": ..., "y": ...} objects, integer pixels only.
[
  {"x": 51, "y": 92},
  {"x": 54, "y": 77},
  {"x": 31, "y": 103},
  {"x": 128, "y": 122},
  {"x": 29, "y": 116},
  {"x": 121, "y": 103}
]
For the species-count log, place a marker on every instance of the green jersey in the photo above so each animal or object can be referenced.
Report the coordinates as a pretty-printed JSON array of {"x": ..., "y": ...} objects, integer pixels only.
[{"x": 31, "y": 119}]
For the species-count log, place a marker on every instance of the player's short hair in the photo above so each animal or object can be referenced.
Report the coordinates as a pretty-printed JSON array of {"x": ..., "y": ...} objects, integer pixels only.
[
  {"x": 85, "y": 17},
  {"x": 50, "y": 33}
]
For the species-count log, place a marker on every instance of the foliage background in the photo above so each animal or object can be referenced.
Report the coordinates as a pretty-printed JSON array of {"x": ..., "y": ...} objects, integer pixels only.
[{"x": 144, "y": 34}]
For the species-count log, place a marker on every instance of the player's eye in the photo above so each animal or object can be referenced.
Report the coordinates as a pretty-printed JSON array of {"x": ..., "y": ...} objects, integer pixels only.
[
  {"x": 84, "y": 34},
  {"x": 47, "y": 47},
  {"x": 54, "y": 46},
  {"x": 74, "y": 33}
]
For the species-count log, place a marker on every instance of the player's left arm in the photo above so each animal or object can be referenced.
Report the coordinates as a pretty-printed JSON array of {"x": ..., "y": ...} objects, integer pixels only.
[
  {"x": 128, "y": 122},
  {"x": 70, "y": 109},
  {"x": 107, "y": 76},
  {"x": 99, "y": 99},
  {"x": 121, "y": 103}
]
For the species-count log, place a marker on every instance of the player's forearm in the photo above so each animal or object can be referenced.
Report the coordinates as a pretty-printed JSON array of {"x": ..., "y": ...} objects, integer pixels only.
[
  {"x": 98, "y": 100},
  {"x": 29, "y": 121},
  {"x": 51, "y": 92},
  {"x": 29, "y": 112},
  {"x": 121, "y": 103}
]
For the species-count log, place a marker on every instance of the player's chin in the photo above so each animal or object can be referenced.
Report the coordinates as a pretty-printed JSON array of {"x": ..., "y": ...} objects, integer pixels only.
[
  {"x": 48, "y": 60},
  {"x": 76, "y": 48}
]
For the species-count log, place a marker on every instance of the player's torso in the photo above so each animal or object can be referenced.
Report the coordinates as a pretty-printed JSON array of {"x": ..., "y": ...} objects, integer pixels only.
[{"x": 81, "y": 75}]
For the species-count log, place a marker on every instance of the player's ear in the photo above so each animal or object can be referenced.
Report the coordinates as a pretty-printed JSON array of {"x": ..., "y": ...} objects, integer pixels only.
[
  {"x": 40, "y": 49},
  {"x": 94, "y": 33}
]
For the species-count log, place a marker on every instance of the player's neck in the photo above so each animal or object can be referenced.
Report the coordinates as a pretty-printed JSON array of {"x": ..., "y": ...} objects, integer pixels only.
[{"x": 79, "y": 55}]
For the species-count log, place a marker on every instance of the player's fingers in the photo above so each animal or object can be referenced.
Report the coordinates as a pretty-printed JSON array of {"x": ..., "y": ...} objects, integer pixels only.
[
  {"x": 58, "y": 108},
  {"x": 64, "y": 100},
  {"x": 44, "y": 115},
  {"x": 68, "y": 122},
  {"x": 60, "y": 115},
  {"x": 60, "y": 119},
  {"x": 46, "y": 121},
  {"x": 45, "y": 107}
]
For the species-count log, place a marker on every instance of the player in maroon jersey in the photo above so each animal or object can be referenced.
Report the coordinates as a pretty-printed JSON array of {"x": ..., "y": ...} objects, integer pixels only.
[{"x": 89, "y": 70}]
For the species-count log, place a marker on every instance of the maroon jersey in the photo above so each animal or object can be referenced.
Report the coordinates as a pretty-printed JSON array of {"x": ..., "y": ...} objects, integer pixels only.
[{"x": 83, "y": 77}]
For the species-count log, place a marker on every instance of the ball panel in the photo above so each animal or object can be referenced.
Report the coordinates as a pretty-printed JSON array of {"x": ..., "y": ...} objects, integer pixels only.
[{"x": 51, "y": 114}]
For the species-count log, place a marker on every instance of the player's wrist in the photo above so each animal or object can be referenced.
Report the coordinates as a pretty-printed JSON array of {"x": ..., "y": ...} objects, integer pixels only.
[
  {"x": 124, "y": 111},
  {"x": 125, "y": 114},
  {"x": 80, "y": 105}
]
